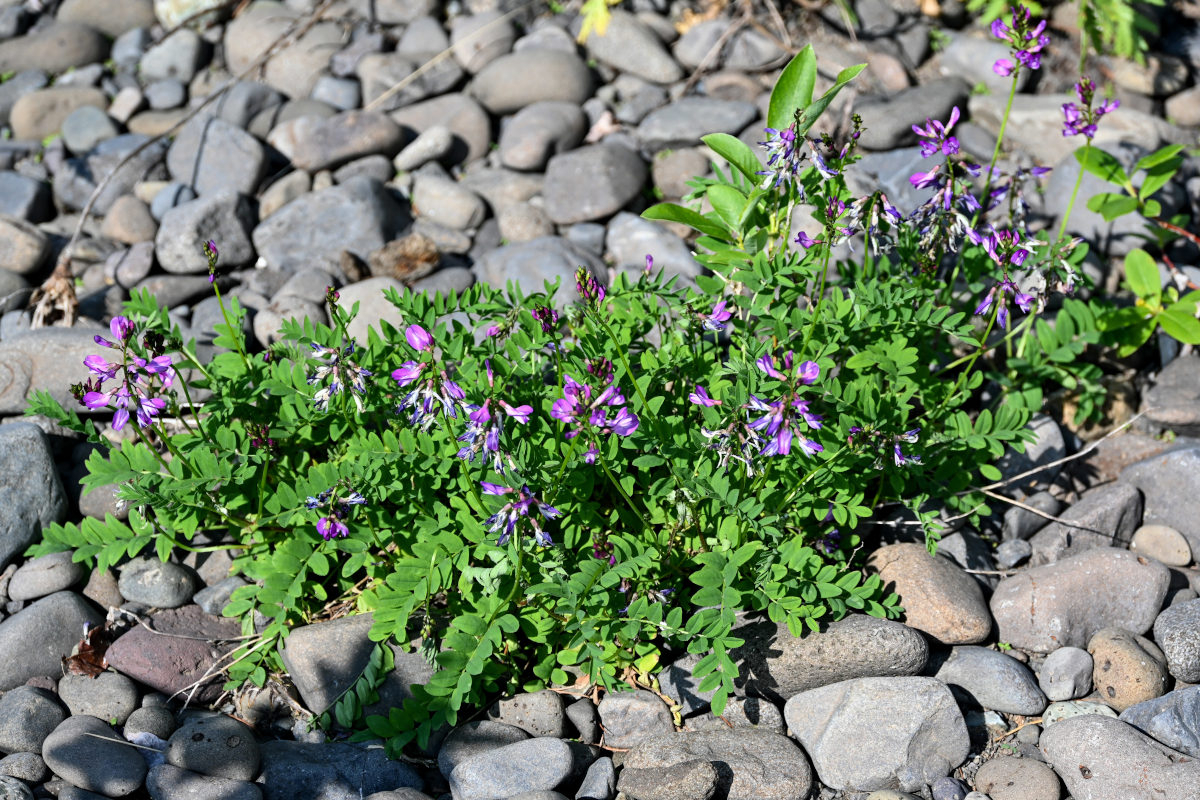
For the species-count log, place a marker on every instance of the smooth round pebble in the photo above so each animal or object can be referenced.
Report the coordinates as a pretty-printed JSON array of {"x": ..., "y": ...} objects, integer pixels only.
[
  {"x": 157, "y": 720},
  {"x": 29, "y": 767},
  {"x": 156, "y": 583},
  {"x": 89, "y": 754},
  {"x": 13, "y": 789},
  {"x": 1162, "y": 543},
  {"x": 45, "y": 575},
  {"x": 109, "y": 696},
  {"x": 1008, "y": 778},
  {"x": 949, "y": 788},
  {"x": 1066, "y": 674},
  {"x": 27, "y": 716},
  {"x": 1127, "y": 669},
  {"x": 891, "y": 794},
  {"x": 1056, "y": 712},
  {"x": 215, "y": 745}
]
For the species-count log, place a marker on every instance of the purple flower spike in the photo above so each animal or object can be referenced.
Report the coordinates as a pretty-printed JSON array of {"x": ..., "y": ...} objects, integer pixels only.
[
  {"x": 700, "y": 397},
  {"x": 494, "y": 488},
  {"x": 418, "y": 338},
  {"x": 1003, "y": 67}
]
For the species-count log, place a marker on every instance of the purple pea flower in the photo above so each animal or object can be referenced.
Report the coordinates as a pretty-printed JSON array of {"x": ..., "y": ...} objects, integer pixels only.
[
  {"x": 418, "y": 338},
  {"x": 1081, "y": 120},
  {"x": 331, "y": 524},
  {"x": 337, "y": 363},
  {"x": 507, "y": 518},
  {"x": 1025, "y": 37},
  {"x": 581, "y": 408},
  {"x": 805, "y": 241},
  {"x": 938, "y": 136},
  {"x": 715, "y": 320},
  {"x": 1000, "y": 294},
  {"x": 484, "y": 431},
  {"x": 121, "y": 327},
  {"x": 700, "y": 397}
]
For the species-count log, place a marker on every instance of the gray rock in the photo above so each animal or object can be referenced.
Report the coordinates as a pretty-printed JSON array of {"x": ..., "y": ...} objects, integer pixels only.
[
  {"x": 224, "y": 217},
  {"x": 342, "y": 771},
  {"x": 693, "y": 47},
  {"x": 1173, "y": 719},
  {"x": 1162, "y": 543},
  {"x": 27, "y": 716},
  {"x": 156, "y": 720},
  {"x": 993, "y": 680},
  {"x": 628, "y": 44},
  {"x": 479, "y": 39},
  {"x": 749, "y": 763},
  {"x": 28, "y": 767},
  {"x": 313, "y": 144},
  {"x": 175, "y": 290},
  {"x": 888, "y": 123},
  {"x": 592, "y": 182},
  {"x": 107, "y": 696},
  {"x": 293, "y": 69},
  {"x": 1020, "y": 523},
  {"x": 86, "y": 127},
  {"x": 460, "y": 114},
  {"x": 169, "y": 196},
  {"x": 391, "y": 80},
  {"x": 583, "y": 716},
  {"x": 132, "y": 266},
  {"x": 600, "y": 782},
  {"x": 1012, "y": 552},
  {"x": 537, "y": 713},
  {"x": 23, "y": 247},
  {"x": 503, "y": 187},
  {"x": 1066, "y": 674},
  {"x": 689, "y": 780},
  {"x": 88, "y": 753},
  {"x": 1107, "y": 515},
  {"x": 268, "y": 321},
  {"x": 156, "y": 583},
  {"x": 970, "y": 57},
  {"x": 1017, "y": 779},
  {"x": 166, "y": 94},
  {"x": 31, "y": 492},
  {"x": 750, "y": 50},
  {"x": 1047, "y": 447},
  {"x": 167, "y": 782},
  {"x": 244, "y": 101},
  {"x": 177, "y": 57},
  {"x": 78, "y": 180},
  {"x": 632, "y": 717},
  {"x": 523, "y": 222},
  {"x": 916, "y": 731},
  {"x": 1065, "y": 603},
  {"x": 948, "y": 788},
  {"x": 127, "y": 49},
  {"x": 433, "y": 144},
  {"x": 46, "y": 359},
  {"x": 21, "y": 84},
  {"x": 216, "y": 745},
  {"x": 539, "y": 131},
  {"x": 343, "y": 94},
  {"x": 521, "y": 78},
  {"x": 41, "y": 113},
  {"x": 212, "y": 155},
  {"x": 45, "y": 575},
  {"x": 1105, "y": 759},
  {"x": 1177, "y": 631},
  {"x": 110, "y": 17},
  {"x": 474, "y": 739},
  {"x": 1069, "y": 709},
  {"x": 530, "y": 263},
  {"x": 526, "y": 766},
  {"x": 1170, "y": 484},
  {"x": 13, "y": 789},
  {"x": 54, "y": 48},
  {"x": 684, "y": 122},
  {"x": 740, "y": 712},
  {"x": 630, "y": 239},
  {"x": 326, "y": 658},
  {"x": 24, "y": 197},
  {"x": 446, "y": 202},
  {"x": 311, "y": 231}
]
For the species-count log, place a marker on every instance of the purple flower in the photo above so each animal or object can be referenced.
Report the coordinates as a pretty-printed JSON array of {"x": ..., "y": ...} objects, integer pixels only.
[
  {"x": 784, "y": 157},
  {"x": 547, "y": 316},
  {"x": 580, "y": 410},
  {"x": 1003, "y": 67},
  {"x": 700, "y": 397},
  {"x": 507, "y": 518},
  {"x": 337, "y": 507},
  {"x": 332, "y": 527},
  {"x": 1000, "y": 294},
  {"x": 484, "y": 431},
  {"x": 337, "y": 363},
  {"x": 805, "y": 241},
  {"x": 649, "y": 264},
  {"x": 1025, "y": 37},
  {"x": 715, "y": 320},
  {"x": 121, "y": 328},
  {"x": 1081, "y": 120},
  {"x": 160, "y": 366},
  {"x": 938, "y": 135},
  {"x": 101, "y": 368},
  {"x": 590, "y": 290},
  {"x": 418, "y": 338}
]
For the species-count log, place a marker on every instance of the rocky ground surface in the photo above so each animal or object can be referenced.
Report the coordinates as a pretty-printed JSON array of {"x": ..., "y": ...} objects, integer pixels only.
[{"x": 1038, "y": 660}]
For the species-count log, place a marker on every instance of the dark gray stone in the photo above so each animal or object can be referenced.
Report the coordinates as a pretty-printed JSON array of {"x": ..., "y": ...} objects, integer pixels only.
[
  {"x": 28, "y": 767},
  {"x": 600, "y": 782},
  {"x": 359, "y": 216},
  {"x": 89, "y": 754},
  {"x": 531, "y": 263},
  {"x": 1020, "y": 523},
  {"x": 469, "y": 125},
  {"x": 244, "y": 101},
  {"x": 178, "y": 56},
  {"x": 1107, "y": 515},
  {"x": 156, "y": 720},
  {"x": 915, "y": 730},
  {"x": 223, "y": 216},
  {"x": 750, "y": 764},
  {"x": 992, "y": 680},
  {"x": 314, "y": 144},
  {"x": 167, "y": 782},
  {"x": 27, "y": 716},
  {"x": 171, "y": 195},
  {"x": 1170, "y": 484},
  {"x": 888, "y": 123},
  {"x": 31, "y": 492},
  {"x": 1047, "y": 447},
  {"x": 13, "y": 789},
  {"x": 583, "y": 716},
  {"x": 45, "y": 575},
  {"x": 341, "y": 771},
  {"x": 1173, "y": 719},
  {"x": 740, "y": 712},
  {"x": 212, "y": 155},
  {"x": 48, "y": 359},
  {"x": 687, "y": 780},
  {"x": 539, "y": 131},
  {"x": 108, "y": 696},
  {"x": 592, "y": 182},
  {"x": 537, "y": 713},
  {"x": 1177, "y": 632},
  {"x": 156, "y": 583},
  {"x": 213, "y": 599},
  {"x": 1012, "y": 552},
  {"x": 473, "y": 739},
  {"x": 86, "y": 127},
  {"x": 326, "y": 658},
  {"x": 216, "y": 745},
  {"x": 1066, "y": 674},
  {"x": 537, "y": 764},
  {"x": 684, "y": 122},
  {"x": 24, "y": 197},
  {"x": 77, "y": 181}
]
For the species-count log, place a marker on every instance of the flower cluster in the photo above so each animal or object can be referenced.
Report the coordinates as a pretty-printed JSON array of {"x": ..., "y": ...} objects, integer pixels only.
[
  {"x": 583, "y": 409},
  {"x": 591, "y": 291},
  {"x": 210, "y": 252},
  {"x": 132, "y": 390},
  {"x": 344, "y": 371},
  {"x": 547, "y": 316},
  {"x": 507, "y": 517},
  {"x": 433, "y": 388},
  {"x": 337, "y": 508},
  {"x": 1080, "y": 120},
  {"x": 886, "y": 443},
  {"x": 715, "y": 320},
  {"x": 484, "y": 430},
  {"x": 1025, "y": 36}
]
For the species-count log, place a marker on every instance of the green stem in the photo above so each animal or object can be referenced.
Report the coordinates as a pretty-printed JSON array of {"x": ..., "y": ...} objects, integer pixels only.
[
  {"x": 962, "y": 377},
  {"x": 192, "y": 408},
  {"x": 987, "y": 184},
  {"x": 621, "y": 490},
  {"x": 816, "y": 314},
  {"x": 1074, "y": 193},
  {"x": 234, "y": 333}
]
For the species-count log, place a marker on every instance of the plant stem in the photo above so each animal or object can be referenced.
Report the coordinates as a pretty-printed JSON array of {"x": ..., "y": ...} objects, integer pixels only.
[
  {"x": 1074, "y": 193},
  {"x": 987, "y": 184},
  {"x": 974, "y": 357},
  {"x": 234, "y": 333},
  {"x": 621, "y": 490}
]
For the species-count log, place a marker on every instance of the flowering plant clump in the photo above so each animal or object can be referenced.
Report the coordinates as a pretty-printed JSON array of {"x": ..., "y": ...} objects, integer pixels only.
[{"x": 530, "y": 486}]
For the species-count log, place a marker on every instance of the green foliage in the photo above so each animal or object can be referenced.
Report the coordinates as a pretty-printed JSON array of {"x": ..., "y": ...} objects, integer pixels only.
[
  {"x": 1154, "y": 309},
  {"x": 1118, "y": 27}
]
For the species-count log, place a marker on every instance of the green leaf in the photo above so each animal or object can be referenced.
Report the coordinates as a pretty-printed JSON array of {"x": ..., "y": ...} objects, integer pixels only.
[
  {"x": 1181, "y": 325},
  {"x": 814, "y": 111},
  {"x": 1142, "y": 274},
  {"x": 1111, "y": 206},
  {"x": 1159, "y": 156},
  {"x": 728, "y": 202},
  {"x": 794, "y": 89},
  {"x": 694, "y": 219},
  {"x": 1102, "y": 165},
  {"x": 737, "y": 153}
]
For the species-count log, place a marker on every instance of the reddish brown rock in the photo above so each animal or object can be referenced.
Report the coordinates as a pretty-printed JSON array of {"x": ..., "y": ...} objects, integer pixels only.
[{"x": 938, "y": 597}]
